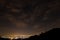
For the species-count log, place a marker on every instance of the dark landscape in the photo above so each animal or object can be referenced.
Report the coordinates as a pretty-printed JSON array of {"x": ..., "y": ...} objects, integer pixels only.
[
  {"x": 53, "y": 34},
  {"x": 38, "y": 18}
]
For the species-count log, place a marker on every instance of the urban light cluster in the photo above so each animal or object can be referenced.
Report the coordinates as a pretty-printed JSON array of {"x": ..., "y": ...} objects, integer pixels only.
[{"x": 16, "y": 36}]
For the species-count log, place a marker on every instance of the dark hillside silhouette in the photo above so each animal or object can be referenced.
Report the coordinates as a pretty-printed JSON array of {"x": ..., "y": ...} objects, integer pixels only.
[
  {"x": 17, "y": 39},
  {"x": 4, "y": 38},
  {"x": 53, "y": 34}
]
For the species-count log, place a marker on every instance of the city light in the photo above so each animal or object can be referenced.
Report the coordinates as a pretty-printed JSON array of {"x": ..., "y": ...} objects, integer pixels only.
[{"x": 16, "y": 36}]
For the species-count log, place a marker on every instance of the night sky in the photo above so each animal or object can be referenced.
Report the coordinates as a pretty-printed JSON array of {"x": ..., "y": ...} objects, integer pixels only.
[{"x": 28, "y": 16}]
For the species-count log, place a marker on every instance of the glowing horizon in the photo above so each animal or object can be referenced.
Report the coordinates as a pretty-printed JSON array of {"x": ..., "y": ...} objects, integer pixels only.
[{"x": 16, "y": 36}]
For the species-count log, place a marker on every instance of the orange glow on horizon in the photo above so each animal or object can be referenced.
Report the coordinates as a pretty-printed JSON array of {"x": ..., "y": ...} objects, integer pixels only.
[{"x": 16, "y": 36}]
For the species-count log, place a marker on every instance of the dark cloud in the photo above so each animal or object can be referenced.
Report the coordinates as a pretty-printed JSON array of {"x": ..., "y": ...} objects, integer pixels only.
[{"x": 33, "y": 16}]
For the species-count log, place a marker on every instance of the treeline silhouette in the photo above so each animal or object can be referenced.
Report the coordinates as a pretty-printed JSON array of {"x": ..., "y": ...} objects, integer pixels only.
[
  {"x": 4, "y": 38},
  {"x": 53, "y": 34}
]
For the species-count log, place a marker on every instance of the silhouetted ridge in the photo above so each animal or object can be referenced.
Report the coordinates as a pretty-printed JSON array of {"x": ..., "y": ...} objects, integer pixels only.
[
  {"x": 4, "y": 38},
  {"x": 53, "y": 34}
]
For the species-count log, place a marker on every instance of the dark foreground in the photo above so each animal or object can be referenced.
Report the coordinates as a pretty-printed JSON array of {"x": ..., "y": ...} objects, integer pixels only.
[{"x": 53, "y": 34}]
